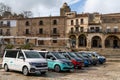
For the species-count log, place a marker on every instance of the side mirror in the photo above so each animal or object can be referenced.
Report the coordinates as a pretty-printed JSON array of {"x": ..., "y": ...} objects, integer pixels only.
[{"x": 21, "y": 57}]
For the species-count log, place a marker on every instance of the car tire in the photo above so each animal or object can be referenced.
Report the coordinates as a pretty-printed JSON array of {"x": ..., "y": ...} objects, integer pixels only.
[
  {"x": 57, "y": 68},
  {"x": 25, "y": 71},
  {"x": 6, "y": 68}
]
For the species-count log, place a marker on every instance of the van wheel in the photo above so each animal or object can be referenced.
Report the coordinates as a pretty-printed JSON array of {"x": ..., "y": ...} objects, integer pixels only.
[
  {"x": 25, "y": 71},
  {"x": 57, "y": 68},
  {"x": 6, "y": 68}
]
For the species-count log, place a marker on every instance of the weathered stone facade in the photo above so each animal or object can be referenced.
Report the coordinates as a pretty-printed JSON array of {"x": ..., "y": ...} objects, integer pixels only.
[{"x": 67, "y": 31}]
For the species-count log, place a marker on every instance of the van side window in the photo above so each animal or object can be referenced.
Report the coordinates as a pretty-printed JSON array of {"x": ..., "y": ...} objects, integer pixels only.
[
  {"x": 11, "y": 54},
  {"x": 20, "y": 55},
  {"x": 67, "y": 56},
  {"x": 49, "y": 56},
  {"x": 42, "y": 54}
]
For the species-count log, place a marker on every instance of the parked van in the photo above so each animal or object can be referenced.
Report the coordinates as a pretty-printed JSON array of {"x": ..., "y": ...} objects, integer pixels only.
[
  {"x": 26, "y": 61},
  {"x": 58, "y": 62}
]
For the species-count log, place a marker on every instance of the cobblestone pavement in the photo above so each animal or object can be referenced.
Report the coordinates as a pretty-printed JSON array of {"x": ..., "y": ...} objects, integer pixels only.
[{"x": 107, "y": 71}]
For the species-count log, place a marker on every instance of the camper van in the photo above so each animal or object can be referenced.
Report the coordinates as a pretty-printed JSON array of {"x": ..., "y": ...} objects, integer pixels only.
[{"x": 26, "y": 61}]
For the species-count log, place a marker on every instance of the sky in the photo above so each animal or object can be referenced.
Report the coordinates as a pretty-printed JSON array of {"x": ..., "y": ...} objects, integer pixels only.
[{"x": 52, "y": 7}]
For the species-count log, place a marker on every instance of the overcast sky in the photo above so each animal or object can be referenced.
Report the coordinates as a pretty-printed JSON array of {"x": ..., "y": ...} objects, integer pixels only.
[{"x": 52, "y": 7}]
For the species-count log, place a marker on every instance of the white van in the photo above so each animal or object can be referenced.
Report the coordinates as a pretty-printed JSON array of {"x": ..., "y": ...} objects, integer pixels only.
[{"x": 26, "y": 61}]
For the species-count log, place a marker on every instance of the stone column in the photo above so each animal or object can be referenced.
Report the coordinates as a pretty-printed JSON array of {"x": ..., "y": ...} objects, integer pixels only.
[
  {"x": 77, "y": 42},
  {"x": 88, "y": 42},
  {"x": 103, "y": 42}
]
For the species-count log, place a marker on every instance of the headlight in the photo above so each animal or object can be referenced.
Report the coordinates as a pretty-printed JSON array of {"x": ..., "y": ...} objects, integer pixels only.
[
  {"x": 32, "y": 64},
  {"x": 64, "y": 63}
]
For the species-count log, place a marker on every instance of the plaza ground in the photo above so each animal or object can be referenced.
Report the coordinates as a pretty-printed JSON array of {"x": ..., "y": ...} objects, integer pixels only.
[{"x": 108, "y": 71}]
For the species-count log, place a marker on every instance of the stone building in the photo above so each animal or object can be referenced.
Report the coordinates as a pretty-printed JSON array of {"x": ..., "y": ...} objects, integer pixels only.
[{"x": 67, "y": 31}]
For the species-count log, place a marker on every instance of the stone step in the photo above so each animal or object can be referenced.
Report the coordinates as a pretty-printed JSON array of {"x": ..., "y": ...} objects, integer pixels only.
[
  {"x": 113, "y": 59},
  {"x": 112, "y": 56}
]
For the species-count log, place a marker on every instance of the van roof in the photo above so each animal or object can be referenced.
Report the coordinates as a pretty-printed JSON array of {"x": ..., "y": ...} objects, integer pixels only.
[{"x": 41, "y": 51}]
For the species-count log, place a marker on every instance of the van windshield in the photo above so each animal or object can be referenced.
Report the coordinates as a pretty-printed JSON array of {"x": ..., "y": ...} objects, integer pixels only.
[
  {"x": 32, "y": 54},
  {"x": 72, "y": 54},
  {"x": 58, "y": 55}
]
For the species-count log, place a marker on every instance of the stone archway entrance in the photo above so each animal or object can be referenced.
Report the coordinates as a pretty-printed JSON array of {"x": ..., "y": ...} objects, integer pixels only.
[
  {"x": 72, "y": 41},
  {"x": 96, "y": 42},
  {"x": 82, "y": 41},
  {"x": 112, "y": 42}
]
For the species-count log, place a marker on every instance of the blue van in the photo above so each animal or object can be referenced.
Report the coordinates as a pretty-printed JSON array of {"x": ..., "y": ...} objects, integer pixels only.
[{"x": 58, "y": 62}]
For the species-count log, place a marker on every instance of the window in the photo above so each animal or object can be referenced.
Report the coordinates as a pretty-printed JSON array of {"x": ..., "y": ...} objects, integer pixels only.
[
  {"x": 27, "y": 31},
  {"x": 76, "y": 21},
  {"x": 54, "y": 22},
  {"x": 8, "y": 23},
  {"x": 54, "y": 30},
  {"x": 97, "y": 29},
  {"x": 1, "y": 32},
  {"x": 115, "y": 30},
  {"x": 8, "y": 32},
  {"x": 107, "y": 43},
  {"x": 20, "y": 55},
  {"x": 72, "y": 22},
  {"x": 32, "y": 54},
  {"x": 82, "y": 21},
  {"x": 27, "y": 23},
  {"x": 40, "y": 31},
  {"x": 49, "y": 56},
  {"x": 40, "y": 42},
  {"x": 92, "y": 29},
  {"x": 27, "y": 41},
  {"x": 1, "y": 23},
  {"x": 54, "y": 41},
  {"x": 108, "y": 30},
  {"x": 41, "y": 23},
  {"x": 72, "y": 30},
  {"x": 77, "y": 29},
  {"x": 11, "y": 54},
  {"x": 81, "y": 29}
]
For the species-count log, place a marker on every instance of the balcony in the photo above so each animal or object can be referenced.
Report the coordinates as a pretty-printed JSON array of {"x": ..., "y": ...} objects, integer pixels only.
[
  {"x": 75, "y": 32},
  {"x": 44, "y": 34},
  {"x": 94, "y": 31},
  {"x": 54, "y": 33},
  {"x": 27, "y": 34},
  {"x": 112, "y": 32},
  {"x": 4, "y": 25}
]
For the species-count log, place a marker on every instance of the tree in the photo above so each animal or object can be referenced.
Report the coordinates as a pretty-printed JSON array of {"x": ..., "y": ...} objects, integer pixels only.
[
  {"x": 9, "y": 46},
  {"x": 27, "y": 14},
  {"x": 4, "y": 8},
  {"x": 27, "y": 46}
]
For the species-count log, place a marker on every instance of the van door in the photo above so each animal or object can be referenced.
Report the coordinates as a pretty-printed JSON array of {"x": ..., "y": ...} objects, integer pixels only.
[
  {"x": 50, "y": 60},
  {"x": 10, "y": 58},
  {"x": 20, "y": 61}
]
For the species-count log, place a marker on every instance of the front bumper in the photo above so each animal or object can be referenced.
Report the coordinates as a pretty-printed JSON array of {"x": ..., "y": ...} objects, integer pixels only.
[{"x": 35, "y": 70}]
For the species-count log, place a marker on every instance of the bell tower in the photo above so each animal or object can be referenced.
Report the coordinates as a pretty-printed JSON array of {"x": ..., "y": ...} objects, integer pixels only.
[{"x": 65, "y": 8}]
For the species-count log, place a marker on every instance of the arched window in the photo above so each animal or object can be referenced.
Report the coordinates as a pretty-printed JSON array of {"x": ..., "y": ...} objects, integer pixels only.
[
  {"x": 72, "y": 22},
  {"x": 112, "y": 42},
  {"x": 27, "y": 23},
  {"x": 41, "y": 22},
  {"x": 96, "y": 42},
  {"x": 82, "y": 41},
  {"x": 54, "y": 22}
]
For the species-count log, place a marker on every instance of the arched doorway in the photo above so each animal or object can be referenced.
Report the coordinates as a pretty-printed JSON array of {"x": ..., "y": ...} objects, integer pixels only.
[
  {"x": 96, "y": 42},
  {"x": 82, "y": 41},
  {"x": 72, "y": 41},
  {"x": 112, "y": 42}
]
